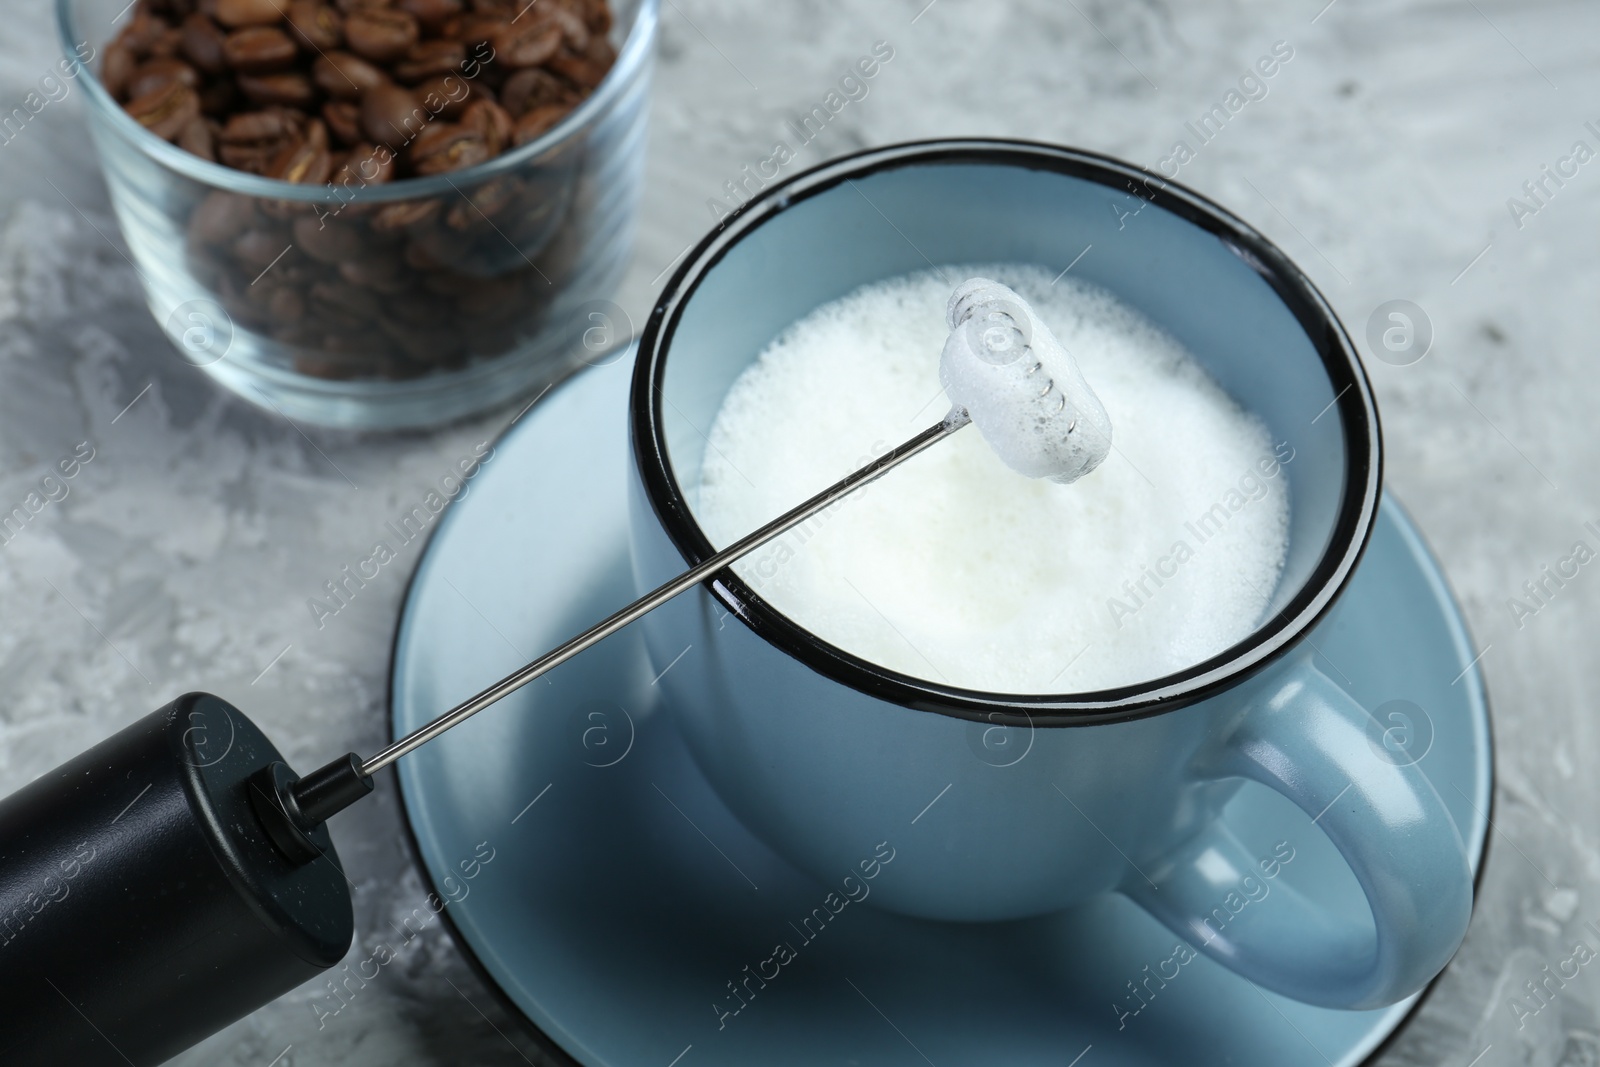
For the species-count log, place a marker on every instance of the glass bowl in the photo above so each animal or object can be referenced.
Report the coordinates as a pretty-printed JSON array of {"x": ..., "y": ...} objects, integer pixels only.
[{"x": 393, "y": 305}]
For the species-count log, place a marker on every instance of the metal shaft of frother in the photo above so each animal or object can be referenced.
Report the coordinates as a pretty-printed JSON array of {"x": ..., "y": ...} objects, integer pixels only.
[{"x": 652, "y": 600}]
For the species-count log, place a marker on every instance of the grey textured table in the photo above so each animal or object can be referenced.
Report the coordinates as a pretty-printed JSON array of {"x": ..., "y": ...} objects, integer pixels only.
[{"x": 1381, "y": 157}]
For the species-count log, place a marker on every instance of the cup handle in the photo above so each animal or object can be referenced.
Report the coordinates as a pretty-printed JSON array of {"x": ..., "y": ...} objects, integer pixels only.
[{"x": 1304, "y": 736}]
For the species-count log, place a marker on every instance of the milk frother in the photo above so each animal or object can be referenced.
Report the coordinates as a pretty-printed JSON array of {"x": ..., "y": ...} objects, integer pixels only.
[{"x": 178, "y": 875}]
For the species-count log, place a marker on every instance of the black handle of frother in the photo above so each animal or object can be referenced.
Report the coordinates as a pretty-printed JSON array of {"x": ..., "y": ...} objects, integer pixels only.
[{"x": 146, "y": 899}]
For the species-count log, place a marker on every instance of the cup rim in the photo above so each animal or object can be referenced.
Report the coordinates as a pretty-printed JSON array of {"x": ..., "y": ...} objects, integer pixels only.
[
  {"x": 1263, "y": 646},
  {"x": 636, "y": 49}
]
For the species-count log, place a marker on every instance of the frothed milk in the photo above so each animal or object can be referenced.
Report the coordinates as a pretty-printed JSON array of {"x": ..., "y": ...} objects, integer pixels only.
[{"x": 957, "y": 569}]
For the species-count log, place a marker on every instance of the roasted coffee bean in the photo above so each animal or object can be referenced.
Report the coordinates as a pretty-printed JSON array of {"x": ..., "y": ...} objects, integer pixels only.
[
  {"x": 306, "y": 161},
  {"x": 270, "y": 124},
  {"x": 428, "y": 58},
  {"x": 199, "y": 137},
  {"x": 419, "y": 257},
  {"x": 490, "y": 295},
  {"x": 381, "y": 35},
  {"x": 237, "y": 13},
  {"x": 253, "y": 158},
  {"x": 116, "y": 68},
  {"x": 596, "y": 15},
  {"x": 340, "y": 299},
  {"x": 352, "y": 6},
  {"x": 382, "y": 275},
  {"x": 142, "y": 33},
  {"x": 344, "y": 121},
  {"x": 490, "y": 120},
  {"x": 289, "y": 88},
  {"x": 477, "y": 29},
  {"x": 344, "y": 76},
  {"x": 258, "y": 249},
  {"x": 167, "y": 45},
  {"x": 287, "y": 305},
  {"x": 447, "y": 95},
  {"x": 448, "y": 146},
  {"x": 203, "y": 44},
  {"x": 221, "y": 217},
  {"x": 259, "y": 49},
  {"x": 403, "y": 215},
  {"x": 537, "y": 121},
  {"x": 327, "y": 240},
  {"x": 156, "y": 73},
  {"x": 527, "y": 42},
  {"x": 431, "y": 14},
  {"x": 534, "y": 87},
  {"x": 392, "y": 115},
  {"x": 588, "y": 69},
  {"x": 366, "y": 164},
  {"x": 449, "y": 283},
  {"x": 167, "y": 110},
  {"x": 574, "y": 34},
  {"x": 316, "y": 26},
  {"x": 478, "y": 208}
]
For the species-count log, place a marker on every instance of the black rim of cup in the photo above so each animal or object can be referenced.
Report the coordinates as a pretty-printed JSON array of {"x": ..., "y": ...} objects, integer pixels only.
[{"x": 1352, "y": 391}]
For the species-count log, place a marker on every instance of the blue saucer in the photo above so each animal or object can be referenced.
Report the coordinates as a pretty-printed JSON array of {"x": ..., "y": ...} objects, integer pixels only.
[{"x": 624, "y": 902}]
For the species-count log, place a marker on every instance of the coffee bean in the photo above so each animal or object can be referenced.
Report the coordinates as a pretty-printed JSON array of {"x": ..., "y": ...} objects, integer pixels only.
[
  {"x": 344, "y": 121},
  {"x": 478, "y": 208},
  {"x": 478, "y": 28},
  {"x": 327, "y": 240},
  {"x": 156, "y": 73},
  {"x": 534, "y": 87},
  {"x": 290, "y": 88},
  {"x": 116, "y": 68},
  {"x": 447, "y": 95},
  {"x": 203, "y": 44},
  {"x": 259, "y": 49},
  {"x": 526, "y": 43},
  {"x": 221, "y": 217},
  {"x": 340, "y": 299},
  {"x": 307, "y": 160},
  {"x": 381, "y": 275},
  {"x": 403, "y": 215},
  {"x": 317, "y": 27},
  {"x": 167, "y": 45},
  {"x": 489, "y": 295},
  {"x": 237, "y": 13},
  {"x": 344, "y": 76},
  {"x": 588, "y": 69},
  {"x": 392, "y": 115},
  {"x": 428, "y": 58},
  {"x": 199, "y": 137},
  {"x": 490, "y": 120},
  {"x": 537, "y": 121},
  {"x": 366, "y": 165},
  {"x": 287, "y": 305},
  {"x": 418, "y": 257},
  {"x": 165, "y": 111},
  {"x": 269, "y": 124},
  {"x": 380, "y": 35},
  {"x": 142, "y": 33},
  {"x": 596, "y": 15},
  {"x": 574, "y": 34},
  {"x": 448, "y": 146},
  {"x": 431, "y": 14},
  {"x": 352, "y": 6},
  {"x": 258, "y": 249}
]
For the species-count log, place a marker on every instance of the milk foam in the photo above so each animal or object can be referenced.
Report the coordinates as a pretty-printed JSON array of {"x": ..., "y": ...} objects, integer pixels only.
[{"x": 954, "y": 567}]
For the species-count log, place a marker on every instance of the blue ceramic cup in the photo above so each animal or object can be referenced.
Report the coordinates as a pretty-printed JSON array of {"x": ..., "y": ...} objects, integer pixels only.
[{"x": 829, "y": 758}]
